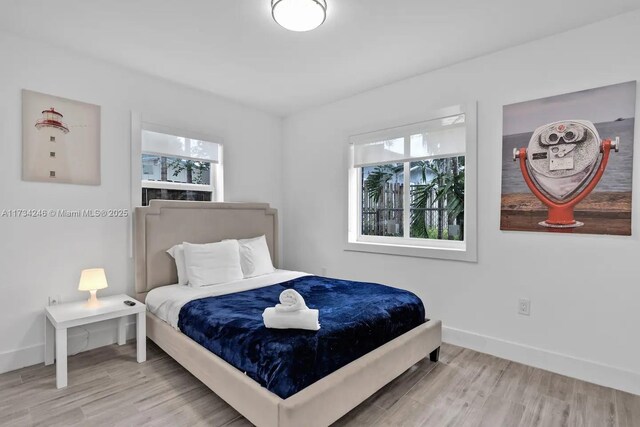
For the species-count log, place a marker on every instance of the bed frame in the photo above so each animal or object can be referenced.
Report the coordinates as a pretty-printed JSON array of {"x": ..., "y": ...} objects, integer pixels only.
[{"x": 165, "y": 223}]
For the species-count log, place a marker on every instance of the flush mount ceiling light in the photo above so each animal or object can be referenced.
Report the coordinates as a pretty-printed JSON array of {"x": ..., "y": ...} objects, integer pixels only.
[{"x": 299, "y": 15}]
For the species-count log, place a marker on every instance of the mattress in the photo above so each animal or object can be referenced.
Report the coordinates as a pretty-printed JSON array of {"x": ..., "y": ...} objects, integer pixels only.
[
  {"x": 355, "y": 318},
  {"x": 166, "y": 302}
]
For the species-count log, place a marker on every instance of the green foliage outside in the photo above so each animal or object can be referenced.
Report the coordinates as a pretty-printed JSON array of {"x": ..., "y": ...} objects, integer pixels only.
[
  {"x": 195, "y": 170},
  {"x": 444, "y": 190}
]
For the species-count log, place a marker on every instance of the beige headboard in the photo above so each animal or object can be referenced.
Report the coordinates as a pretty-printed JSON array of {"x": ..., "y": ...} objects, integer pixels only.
[{"x": 165, "y": 223}]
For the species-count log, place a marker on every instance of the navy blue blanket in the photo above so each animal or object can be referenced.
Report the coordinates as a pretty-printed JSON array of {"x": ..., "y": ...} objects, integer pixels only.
[{"x": 355, "y": 318}]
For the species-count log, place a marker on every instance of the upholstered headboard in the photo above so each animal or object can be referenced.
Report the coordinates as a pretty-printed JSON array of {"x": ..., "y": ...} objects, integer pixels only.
[{"x": 165, "y": 223}]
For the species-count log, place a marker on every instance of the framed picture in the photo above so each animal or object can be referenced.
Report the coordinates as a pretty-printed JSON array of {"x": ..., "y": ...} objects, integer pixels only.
[
  {"x": 60, "y": 140},
  {"x": 567, "y": 162}
]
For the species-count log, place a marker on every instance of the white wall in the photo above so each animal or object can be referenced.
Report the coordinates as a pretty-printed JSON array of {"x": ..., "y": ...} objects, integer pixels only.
[
  {"x": 584, "y": 289},
  {"x": 43, "y": 257}
]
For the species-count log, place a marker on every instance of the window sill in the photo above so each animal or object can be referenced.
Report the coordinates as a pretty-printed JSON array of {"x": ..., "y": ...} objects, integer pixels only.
[{"x": 454, "y": 254}]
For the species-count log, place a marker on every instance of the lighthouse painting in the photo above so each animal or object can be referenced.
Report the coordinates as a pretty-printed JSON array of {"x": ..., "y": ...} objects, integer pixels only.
[{"x": 60, "y": 140}]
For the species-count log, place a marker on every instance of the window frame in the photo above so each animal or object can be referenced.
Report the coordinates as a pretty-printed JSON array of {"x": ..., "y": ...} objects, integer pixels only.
[
  {"x": 138, "y": 125},
  {"x": 465, "y": 250}
]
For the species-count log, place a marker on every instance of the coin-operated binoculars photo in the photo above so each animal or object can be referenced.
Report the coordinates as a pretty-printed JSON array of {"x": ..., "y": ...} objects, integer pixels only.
[{"x": 563, "y": 163}]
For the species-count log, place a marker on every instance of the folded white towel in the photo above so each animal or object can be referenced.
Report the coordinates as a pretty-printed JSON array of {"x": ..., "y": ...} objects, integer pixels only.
[
  {"x": 290, "y": 300},
  {"x": 302, "y": 319}
]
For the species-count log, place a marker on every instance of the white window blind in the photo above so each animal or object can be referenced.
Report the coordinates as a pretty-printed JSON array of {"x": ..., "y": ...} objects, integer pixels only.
[
  {"x": 443, "y": 137},
  {"x": 177, "y": 146}
]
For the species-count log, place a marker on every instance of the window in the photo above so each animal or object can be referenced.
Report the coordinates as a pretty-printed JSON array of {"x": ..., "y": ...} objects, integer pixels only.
[
  {"x": 179, "y": 168},
  {"x": 412, "y": 188}
]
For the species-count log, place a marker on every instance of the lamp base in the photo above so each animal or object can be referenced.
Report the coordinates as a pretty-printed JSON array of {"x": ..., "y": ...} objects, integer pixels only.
[{"x": 93, "y": 299}]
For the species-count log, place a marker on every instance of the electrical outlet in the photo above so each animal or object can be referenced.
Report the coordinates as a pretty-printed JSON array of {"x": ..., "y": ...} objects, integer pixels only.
[
  {"x": 323, "y": 271},
  {"x": 55, "y": 300},
  {"x": 524, "y": 306}
]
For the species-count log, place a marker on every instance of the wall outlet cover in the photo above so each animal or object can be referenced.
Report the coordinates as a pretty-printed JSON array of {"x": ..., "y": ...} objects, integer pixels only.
[
  {"x": 54, "y": 300},
  {"x": 524, "y": 306}
]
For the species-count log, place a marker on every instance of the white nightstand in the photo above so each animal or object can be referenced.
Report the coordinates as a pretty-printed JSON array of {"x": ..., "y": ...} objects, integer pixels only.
[{"x": 62, "y": 316}]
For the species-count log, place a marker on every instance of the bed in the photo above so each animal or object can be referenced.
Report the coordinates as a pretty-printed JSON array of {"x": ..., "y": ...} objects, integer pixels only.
[{"x": 283, "y": 398}]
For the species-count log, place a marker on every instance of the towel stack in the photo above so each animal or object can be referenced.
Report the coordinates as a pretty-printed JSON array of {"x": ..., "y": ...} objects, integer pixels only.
[{"x": 291, "y": 313}]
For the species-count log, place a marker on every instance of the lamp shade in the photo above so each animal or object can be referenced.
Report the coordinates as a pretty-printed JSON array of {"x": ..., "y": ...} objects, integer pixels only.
[
  {"x": 299, "y": 15},
  {"x": 92, "y": 279}
]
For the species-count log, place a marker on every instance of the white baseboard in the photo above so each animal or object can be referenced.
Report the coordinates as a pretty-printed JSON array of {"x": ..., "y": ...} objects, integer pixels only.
[
  {"x": 582, "y": 369},
  {"x": 77, "y": 341}
]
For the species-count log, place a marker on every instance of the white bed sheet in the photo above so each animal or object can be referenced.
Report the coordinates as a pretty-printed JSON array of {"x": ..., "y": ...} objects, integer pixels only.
[{"x": 166, "y": 301}]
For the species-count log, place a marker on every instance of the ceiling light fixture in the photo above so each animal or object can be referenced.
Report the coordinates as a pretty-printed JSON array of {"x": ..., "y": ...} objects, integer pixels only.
[{"x": 299, "y": 15}]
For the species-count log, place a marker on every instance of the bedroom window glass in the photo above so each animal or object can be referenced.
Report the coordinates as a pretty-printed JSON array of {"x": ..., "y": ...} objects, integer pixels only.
[
  {"x": 179, "y": 168},
  {"x": 382, "y": 201},
  {"x": 409, "y": 188}
]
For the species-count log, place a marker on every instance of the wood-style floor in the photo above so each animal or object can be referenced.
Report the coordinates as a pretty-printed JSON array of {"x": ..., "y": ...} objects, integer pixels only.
[{"x": 466, "y": 388}]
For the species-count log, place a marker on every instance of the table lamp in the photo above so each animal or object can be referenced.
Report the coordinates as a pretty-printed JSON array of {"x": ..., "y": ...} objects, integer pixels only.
[{"x": 91, "y": 280}]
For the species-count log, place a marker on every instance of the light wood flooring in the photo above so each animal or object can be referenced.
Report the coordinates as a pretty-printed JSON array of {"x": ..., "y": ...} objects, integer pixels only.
[{"x": 466, "y": 388}]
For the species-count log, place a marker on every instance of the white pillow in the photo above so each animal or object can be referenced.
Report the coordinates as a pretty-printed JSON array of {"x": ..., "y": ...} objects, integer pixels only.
[
  {"x": 254, "y": 257},
  {"x": 177, "y": 252},
  {"x": 212, "y": 263}
]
